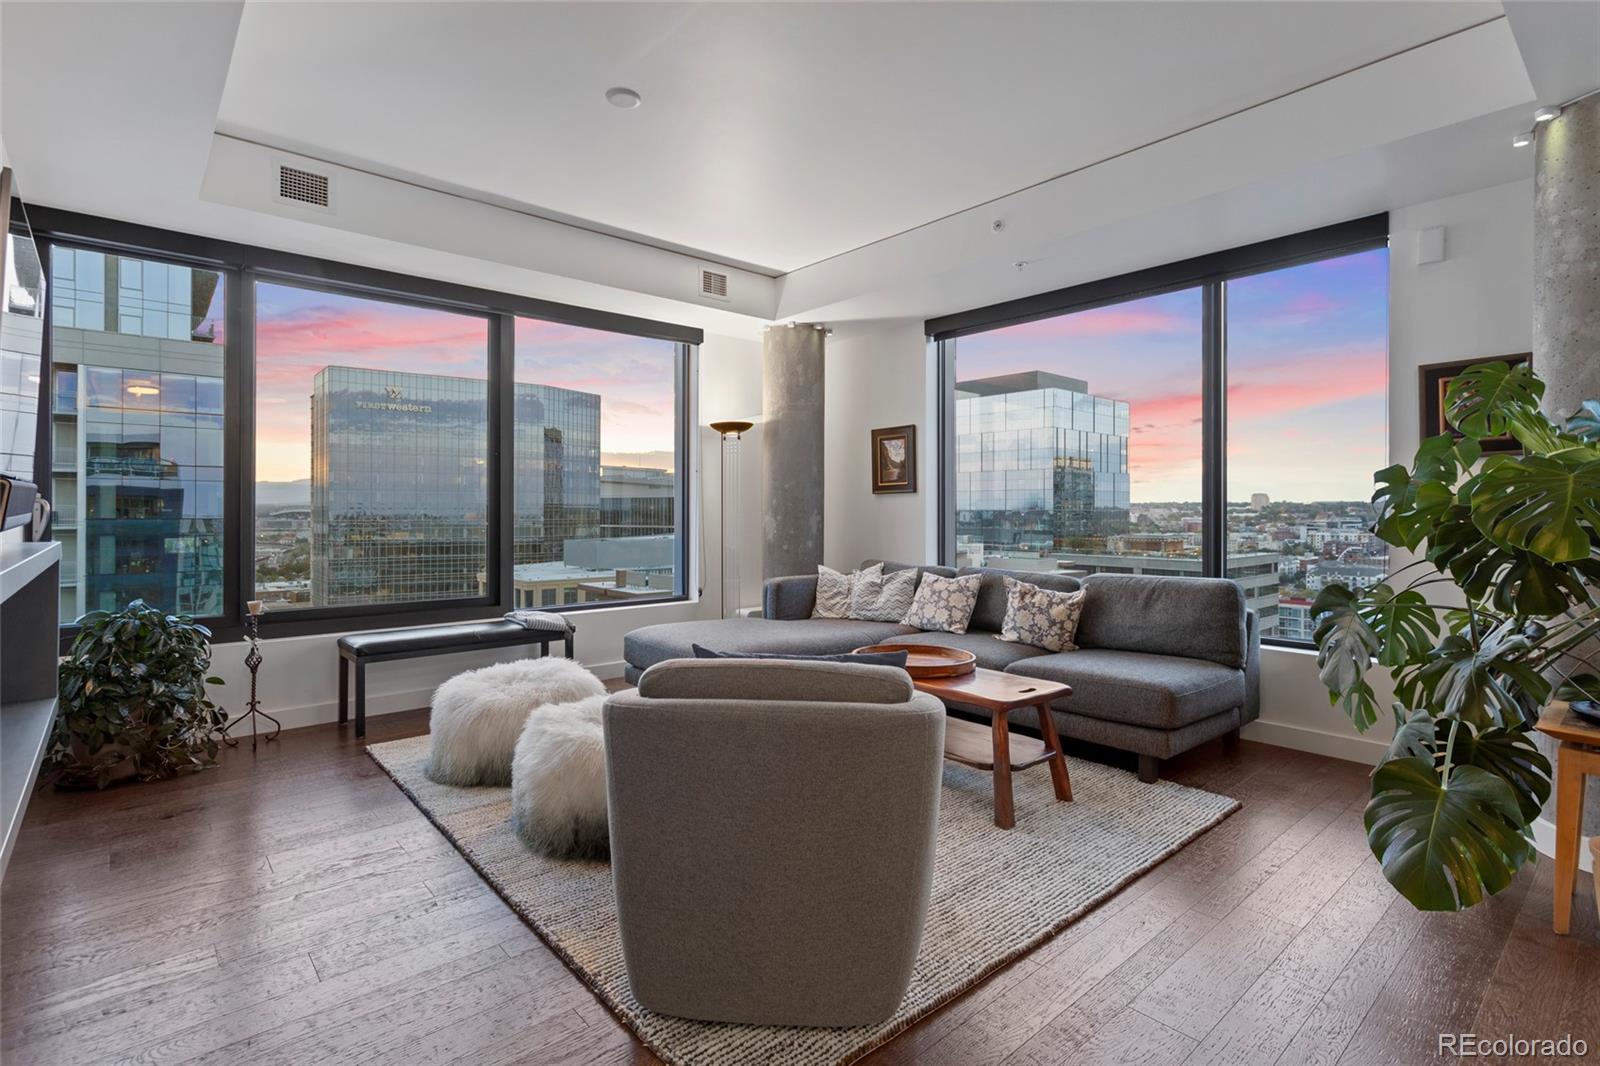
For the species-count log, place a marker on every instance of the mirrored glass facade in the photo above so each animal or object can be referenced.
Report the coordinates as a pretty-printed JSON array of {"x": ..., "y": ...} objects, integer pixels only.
[{"x": 137, "y": 413}]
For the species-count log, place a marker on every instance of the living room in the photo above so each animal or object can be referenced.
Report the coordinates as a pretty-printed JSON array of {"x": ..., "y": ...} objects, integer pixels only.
[{"x": 800, "y": 533}]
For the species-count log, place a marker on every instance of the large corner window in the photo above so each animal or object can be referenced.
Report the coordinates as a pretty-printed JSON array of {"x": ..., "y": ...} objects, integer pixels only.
[
  {"x": 597, "y": 464},
  {"x": 352, "y": 448},
  {"x": 1217, "y": 417},
  {"x": 1077, "y": 440},
  {"x": 136, "y": 411}
]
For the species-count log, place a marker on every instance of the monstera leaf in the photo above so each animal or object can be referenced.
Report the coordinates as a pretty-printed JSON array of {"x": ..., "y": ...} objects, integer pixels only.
[
  {"x": 1402, "y": 621},
  {"x": 1486, "y": 683},
  {"x": 1346, "y": 645},
  {"x": 1514, "y": 582},
  {"x": 1585, "y": 425},
  {"x": 1489, "y": 399},
  {"x": 1444, "y": 845},
  {"x": 1510, "y": 755},
  {"x": 1409, "y": 503},
  {"x": 1547, "y": 505}
]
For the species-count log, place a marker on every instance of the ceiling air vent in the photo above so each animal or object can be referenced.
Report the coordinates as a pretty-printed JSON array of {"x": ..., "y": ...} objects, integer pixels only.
[
  {"x": 713, "y": 285},
  {"x": 302, "y": 186}
]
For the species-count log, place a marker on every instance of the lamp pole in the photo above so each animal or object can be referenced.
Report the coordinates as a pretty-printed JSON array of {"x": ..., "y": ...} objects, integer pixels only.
[{"x": 731, "y": 432}]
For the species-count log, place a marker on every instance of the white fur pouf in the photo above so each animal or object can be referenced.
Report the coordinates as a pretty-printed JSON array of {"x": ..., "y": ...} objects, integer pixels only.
[
  {"x": 558, "y": 782},
  {"x": 478, "y": 716}
]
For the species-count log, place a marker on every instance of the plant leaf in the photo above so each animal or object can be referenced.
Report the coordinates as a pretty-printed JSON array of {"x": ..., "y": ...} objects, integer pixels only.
[
  {"x": 1346, "y": 645},
  {"x": 1485, "y": 400},
  {"x": 1444, "y": 846},
  {"x": 1510, "y": 755},
  {"x": 1402, "y": 621},
  {"x": 1547, "y": 505},
  {"x": 1585, "y": 424}
]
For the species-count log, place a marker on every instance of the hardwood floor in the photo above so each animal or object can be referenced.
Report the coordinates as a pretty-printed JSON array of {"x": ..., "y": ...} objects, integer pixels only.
[{"x": 294, "y": 907}]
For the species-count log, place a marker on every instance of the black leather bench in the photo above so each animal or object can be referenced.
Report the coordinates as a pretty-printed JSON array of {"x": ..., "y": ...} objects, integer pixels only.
[{"x": 363, "y": 649}]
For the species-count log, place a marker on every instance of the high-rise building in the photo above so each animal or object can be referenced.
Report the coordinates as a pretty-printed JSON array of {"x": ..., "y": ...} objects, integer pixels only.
[
  {"x": 636, "y": 501},
  {"x": 405, "y": 524},
  {"x": 1041, "y": 462},
  {"x": 136, "y": 410}
]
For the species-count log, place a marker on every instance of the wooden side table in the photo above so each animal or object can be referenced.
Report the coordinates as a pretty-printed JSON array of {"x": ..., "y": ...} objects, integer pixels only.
[
  {"x": 1578, "y": 756},
  {"x": 996, "y": 748}
]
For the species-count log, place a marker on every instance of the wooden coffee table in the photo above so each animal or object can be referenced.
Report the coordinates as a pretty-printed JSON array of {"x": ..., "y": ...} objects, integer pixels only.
[
  {"x": 1577, "y": 756},
  {"x": 996, "y": 748}
]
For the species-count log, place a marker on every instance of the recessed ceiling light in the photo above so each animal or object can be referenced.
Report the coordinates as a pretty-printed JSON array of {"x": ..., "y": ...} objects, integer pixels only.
[
  {"x": 1522, "y": 140},
  {"x": 626, "y": 99},
  {"x": 1547, "y": 114},
  {"x": 143, "y": 390}
]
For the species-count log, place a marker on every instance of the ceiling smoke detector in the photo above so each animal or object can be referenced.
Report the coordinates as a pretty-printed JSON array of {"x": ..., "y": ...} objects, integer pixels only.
[{"x": 624, "y": 98}]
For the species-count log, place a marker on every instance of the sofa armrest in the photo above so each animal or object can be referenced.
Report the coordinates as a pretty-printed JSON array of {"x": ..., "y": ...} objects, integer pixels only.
[
  {"x": 1252, "y": 669},
  {"x": 789, "y": 597}
]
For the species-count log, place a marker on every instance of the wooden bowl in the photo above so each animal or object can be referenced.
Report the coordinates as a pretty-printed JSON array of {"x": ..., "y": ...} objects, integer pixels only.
[{"x": 929, "y": 660}]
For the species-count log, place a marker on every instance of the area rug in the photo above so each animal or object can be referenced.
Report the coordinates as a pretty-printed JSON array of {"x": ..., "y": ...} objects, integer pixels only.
[{"x": 996, "y": 893}]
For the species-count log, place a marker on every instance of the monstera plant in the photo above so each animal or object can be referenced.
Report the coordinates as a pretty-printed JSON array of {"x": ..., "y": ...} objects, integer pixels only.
[{"x": 1511, "y": 543}]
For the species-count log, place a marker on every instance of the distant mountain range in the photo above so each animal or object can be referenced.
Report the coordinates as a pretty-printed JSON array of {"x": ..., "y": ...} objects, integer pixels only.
[{"x": 284, "y": 493}]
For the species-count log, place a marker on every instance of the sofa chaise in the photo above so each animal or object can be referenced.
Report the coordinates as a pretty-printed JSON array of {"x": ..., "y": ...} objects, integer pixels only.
[{"x": 1163, "y": 664}]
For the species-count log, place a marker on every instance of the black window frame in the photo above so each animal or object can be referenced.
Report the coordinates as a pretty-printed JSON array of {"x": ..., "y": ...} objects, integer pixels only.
[
  {"x": 243, "y": 265},
  {"x": 1210, "y": 274}
]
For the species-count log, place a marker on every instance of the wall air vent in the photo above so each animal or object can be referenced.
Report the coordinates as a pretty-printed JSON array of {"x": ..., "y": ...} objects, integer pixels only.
[
  {"x": 302, "y": 186},
  {"x": 713, "y": 285}
]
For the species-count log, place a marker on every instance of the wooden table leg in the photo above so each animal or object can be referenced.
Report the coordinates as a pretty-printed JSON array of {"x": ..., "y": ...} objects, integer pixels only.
[
  {"x": 1058, "y": 761},
  {"x": 1004, "y": 816},
  {"x": 1569, "y": 827}
]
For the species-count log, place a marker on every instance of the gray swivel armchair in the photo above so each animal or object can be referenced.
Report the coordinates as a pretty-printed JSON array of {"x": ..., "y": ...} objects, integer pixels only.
[{"x": 772, "y": 837}]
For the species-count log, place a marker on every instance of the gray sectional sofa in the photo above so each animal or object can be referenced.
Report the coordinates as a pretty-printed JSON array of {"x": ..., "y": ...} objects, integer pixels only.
[{"x": 1163, "y": 663}]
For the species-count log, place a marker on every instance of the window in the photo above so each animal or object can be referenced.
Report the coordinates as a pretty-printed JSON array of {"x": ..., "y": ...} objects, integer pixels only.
[
  {"x": 372, "y": 445},
  {"x": 352, "y": 447},
  {"x": 1077, "y": 440},
  {"x": 596, "y": 464},
  {"x": 1308, "y": 382},
  {"x": 137, "y": 384},
  {"x": 1221, "y": 416}
]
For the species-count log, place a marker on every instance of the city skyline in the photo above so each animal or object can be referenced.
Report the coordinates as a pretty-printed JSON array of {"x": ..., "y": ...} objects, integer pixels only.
[{"x": 1289, "y": 438}]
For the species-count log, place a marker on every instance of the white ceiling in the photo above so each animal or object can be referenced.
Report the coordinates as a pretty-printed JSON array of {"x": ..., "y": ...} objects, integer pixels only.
[{"x": 775, "y": 135}]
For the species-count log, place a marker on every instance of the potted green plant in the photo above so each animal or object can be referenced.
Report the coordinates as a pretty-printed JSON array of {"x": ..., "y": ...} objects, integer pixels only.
[
  {"x": 133, "y": 699},
  {"x": 1455, "y": 795}
]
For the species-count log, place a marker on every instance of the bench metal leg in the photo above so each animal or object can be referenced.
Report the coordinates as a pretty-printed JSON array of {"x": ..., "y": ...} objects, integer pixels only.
[
  {"x": 568, "y": 643},
  {"x": 344, "y": 690},
  {"x": 361, "y": 699}
]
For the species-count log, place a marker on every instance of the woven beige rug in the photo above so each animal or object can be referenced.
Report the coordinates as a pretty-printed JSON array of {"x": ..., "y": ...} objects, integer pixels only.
[{"x": 996, "y": 893}]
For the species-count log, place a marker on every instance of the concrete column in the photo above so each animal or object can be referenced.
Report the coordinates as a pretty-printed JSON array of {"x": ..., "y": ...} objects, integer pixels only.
[
  {"x": 1566, "y": 257},
  {"x": 791, "y": 443},
  {"x": 1566, "y": 297}
]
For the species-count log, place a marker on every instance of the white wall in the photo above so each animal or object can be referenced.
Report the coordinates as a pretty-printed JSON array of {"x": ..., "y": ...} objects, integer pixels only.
[
  {"x": 299, "y": 679},
  {"x": 878, "y": 374}
]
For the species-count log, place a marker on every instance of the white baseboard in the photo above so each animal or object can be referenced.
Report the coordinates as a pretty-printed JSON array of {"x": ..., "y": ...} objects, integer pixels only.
[
  {"x": 1544, "y": 838},
  {"x": 1334, "y": 745},
  {"x": 380, "y": 703}
]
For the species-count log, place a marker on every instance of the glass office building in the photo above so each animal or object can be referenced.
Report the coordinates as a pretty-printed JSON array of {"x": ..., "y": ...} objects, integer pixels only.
[
  {"x": 1041, "y": 463},
  {"x": 401, "y": 524},
  {"x": 136, "y": 412}
]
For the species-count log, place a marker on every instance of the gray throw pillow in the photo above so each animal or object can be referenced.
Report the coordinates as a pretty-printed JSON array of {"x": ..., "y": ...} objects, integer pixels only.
[
  {"x": 833, "y": 592},
  {"x": 944, "y": 604},
  {"x": 881, "y": 597}
]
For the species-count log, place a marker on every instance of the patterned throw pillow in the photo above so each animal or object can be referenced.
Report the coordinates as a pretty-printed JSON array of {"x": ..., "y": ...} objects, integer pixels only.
[
  {"x": 833, "y": 593},
  {"x": 944, "y": 604},
  {"x": 1041, "y": 617},
  {"x": 881, "y": 597}
]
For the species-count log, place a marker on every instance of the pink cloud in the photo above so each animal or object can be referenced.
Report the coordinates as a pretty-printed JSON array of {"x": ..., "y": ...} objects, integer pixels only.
[{"x": 1118, "y": 320}]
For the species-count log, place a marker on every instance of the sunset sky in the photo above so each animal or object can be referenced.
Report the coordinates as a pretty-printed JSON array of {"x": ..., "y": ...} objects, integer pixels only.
[
  {"x": 300, "y": 331},
  {"x": 1307, "y": 379}
]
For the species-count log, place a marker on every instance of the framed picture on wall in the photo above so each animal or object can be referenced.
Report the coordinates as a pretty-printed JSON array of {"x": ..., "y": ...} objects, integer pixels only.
[
  {"x": 894, "y": 459},
  {"x": 1435, "y": 379}
]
